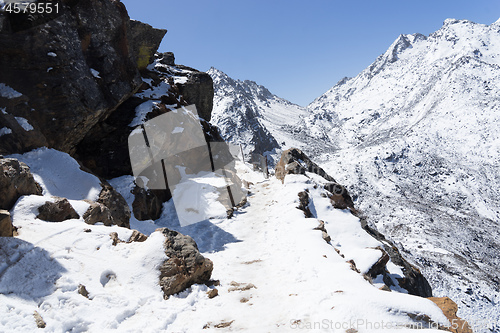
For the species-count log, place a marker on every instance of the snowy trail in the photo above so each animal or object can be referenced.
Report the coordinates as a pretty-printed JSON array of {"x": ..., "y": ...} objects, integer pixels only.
[
  {"x": 281, "y": 275},
  {"x": 276, "y": 272}
]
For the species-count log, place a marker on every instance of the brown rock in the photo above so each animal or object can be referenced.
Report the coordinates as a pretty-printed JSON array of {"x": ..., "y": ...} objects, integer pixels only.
[
  {"x": 57, "y": 211},
  {"x": 40, "y": 323},
  {"x": 294, "y": 161},
  {"x": 82, "y": 290},
  {"x": 116, "y": 204},
  {"x": 212, "y": 293},
  {"x": 6, "y": 228},
  {"x": 15, "y": 180},
  {"x": 185, "y": 265},
  {"x": 450, "y": 309},
  {"x": 97, "y": 212}
]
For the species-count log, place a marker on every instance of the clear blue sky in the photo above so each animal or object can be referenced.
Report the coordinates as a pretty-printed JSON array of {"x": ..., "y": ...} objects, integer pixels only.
[{"x": 297, "y": 49}]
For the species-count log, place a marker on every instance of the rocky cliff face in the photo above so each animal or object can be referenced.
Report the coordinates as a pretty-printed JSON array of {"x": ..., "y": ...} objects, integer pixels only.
[{"x": 73, "y": 70}]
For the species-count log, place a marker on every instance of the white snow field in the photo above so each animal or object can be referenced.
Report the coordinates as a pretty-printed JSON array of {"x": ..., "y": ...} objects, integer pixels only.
[{"x": 276, "y": 273}]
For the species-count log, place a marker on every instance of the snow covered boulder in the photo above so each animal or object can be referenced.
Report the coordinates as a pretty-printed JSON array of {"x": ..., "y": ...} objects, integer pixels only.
[
  {"x": 6, "y": 229},
  {"x": 185, "y": 265},
  {"x": 57, "y": 211},
  {"x": 15, "y": 180}
]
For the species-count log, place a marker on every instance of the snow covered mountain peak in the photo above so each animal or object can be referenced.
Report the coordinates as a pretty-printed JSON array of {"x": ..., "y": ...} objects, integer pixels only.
[{"x": 250, "y": 115}]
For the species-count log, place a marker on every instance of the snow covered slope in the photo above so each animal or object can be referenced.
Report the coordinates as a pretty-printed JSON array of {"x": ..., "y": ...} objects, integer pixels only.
[
  {"x": 276, "y": 272},
  {"x": 250, "y": 115},
  {"x": 419, "y": 141},
  {"x": 416, "y": 138}
]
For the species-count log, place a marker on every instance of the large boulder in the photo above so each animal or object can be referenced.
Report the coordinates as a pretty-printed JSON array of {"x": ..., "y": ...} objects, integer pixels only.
[
  {"x": 185, "y": 265},
  {"x": 144, "y": 40},
  {"x": 57, "y": 211},
  {"x": 198, "y": 90},
  {"x": 72, "y": 67},
  {"x": 15, "y": 180}
]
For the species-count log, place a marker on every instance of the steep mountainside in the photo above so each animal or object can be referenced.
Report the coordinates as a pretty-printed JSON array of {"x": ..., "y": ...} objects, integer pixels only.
[
  {"x": 418, "y": 137},
  {"x": 250, "y": 115},
  {"x": 415, "y": 137}
]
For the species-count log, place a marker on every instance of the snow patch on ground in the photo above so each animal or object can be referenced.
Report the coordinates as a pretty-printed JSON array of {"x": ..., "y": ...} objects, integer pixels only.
[
  {"x": 23, "y": 122},
  {"x": 60, "y": 175},
  {"x": 8, "y": 92}
]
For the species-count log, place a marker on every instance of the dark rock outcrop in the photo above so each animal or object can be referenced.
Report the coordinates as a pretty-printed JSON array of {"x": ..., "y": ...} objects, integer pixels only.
[
  {"x": 413, "y": 281},
  {"x": 6, "y": 228},
  {"x": 294, "y": 161},
  {"x": 72, "y": 68},
  {"x": 104, "y": 150},
  {"x": 15, "y": 180},
  {"x": 57, "y": 211},
  {"x": 185, "y": 265},
  {"x": 116, "y": 204},
  {"x": 167, "y": 58},
  {"x": 148, "y": 204},
  {"x": 199, "y": 90},
  {"x": 144, "y": 40}
]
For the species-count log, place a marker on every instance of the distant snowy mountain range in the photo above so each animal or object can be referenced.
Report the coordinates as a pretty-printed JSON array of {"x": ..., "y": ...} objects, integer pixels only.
[{"x": 416, "y": 138}]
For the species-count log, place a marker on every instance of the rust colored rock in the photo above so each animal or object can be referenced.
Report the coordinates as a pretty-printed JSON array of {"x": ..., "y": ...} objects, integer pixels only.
[{"x": 450, "y": 309}]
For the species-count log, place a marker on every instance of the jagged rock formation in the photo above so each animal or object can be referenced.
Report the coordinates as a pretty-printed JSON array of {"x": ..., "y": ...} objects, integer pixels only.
[
  {"x": 104, "y": 150},
  {"x": 295, "y": 161},
  {"x": 185, "y": 265},
  {"x": 15, "y": 180}
]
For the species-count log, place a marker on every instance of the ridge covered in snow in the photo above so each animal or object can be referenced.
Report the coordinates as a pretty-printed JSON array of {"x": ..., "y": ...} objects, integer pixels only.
[{"x": 415, "y": 138}]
